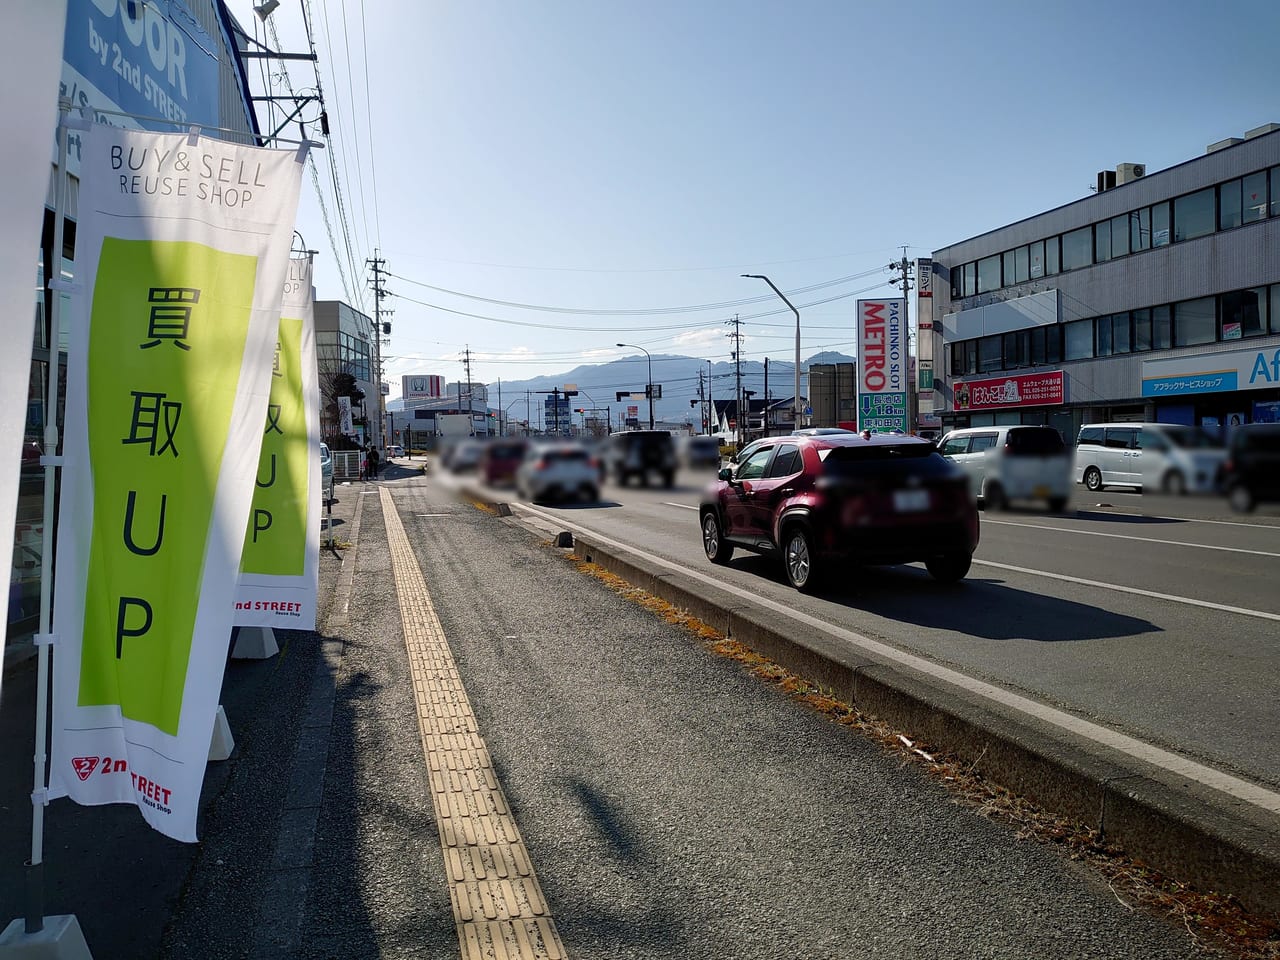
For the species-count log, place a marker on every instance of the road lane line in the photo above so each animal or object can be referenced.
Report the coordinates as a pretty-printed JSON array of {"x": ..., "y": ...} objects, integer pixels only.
[
  {"x": 682, "y": 506},
  {"x": 498, "y": 905},
  {"x": 1171, "y": 598},
  {"x": 1218, "y": 780},
  {"x": 1124, "y": 536}
]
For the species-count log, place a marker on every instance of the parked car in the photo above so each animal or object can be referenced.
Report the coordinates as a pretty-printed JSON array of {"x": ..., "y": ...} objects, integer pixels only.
[
  {"x": 500, "y": 459},
  {"x": 826, "y": 503},
  {"x": 699, "y": 452},
  {"x": 641, "y": 454},
  {"x": 464, "y": 456},
  {"x": 1007, "y": 463},
  {"x": 1170, "y": 457},
  {"x": 392, "y": 451},
  {"x": 558, "y": 471},
  {"x": 1251, "y": 472},
  {"x": 326, "y": 473}
]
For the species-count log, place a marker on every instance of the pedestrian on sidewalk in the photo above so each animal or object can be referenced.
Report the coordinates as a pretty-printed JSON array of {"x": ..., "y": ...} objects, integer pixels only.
[{"x": 373, "y": 462}]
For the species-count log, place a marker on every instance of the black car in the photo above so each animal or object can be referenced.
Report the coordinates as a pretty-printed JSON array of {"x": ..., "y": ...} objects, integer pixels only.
[
  {"x": 1252, "y": 471},
  {"x": 641, "y": 454}
]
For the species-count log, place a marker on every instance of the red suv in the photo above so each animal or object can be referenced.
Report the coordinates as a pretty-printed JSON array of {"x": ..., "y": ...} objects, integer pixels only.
[{"x": 822, "y": 502}]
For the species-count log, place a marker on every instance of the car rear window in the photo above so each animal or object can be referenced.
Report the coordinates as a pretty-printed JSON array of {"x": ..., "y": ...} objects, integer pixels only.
[
  {"x": 1262, "y": 439},
  {"x": 565, "y": 456},
  {"x": 1035, "y": 441},
  {"x": 886, "y": 460}
]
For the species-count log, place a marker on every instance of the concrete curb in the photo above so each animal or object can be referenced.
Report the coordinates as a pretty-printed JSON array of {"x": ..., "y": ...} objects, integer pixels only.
[{"x": 1174, "y": 825}]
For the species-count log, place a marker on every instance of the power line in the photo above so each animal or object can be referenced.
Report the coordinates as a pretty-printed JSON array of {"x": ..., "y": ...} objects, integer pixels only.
[{"x": 368, "y": 100}]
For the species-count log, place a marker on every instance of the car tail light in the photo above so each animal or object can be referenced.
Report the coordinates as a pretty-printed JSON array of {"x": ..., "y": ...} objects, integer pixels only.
[{"x": 593, "y": 463}]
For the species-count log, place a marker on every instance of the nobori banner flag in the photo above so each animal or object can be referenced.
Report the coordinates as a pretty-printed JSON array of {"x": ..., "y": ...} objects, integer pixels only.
[
  {"x": 183, "y": 249},
  {"x": 279, "y": 570}
]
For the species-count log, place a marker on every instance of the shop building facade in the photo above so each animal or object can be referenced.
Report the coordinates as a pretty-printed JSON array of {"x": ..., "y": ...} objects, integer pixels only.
[{"x": 1157, "y": 298}]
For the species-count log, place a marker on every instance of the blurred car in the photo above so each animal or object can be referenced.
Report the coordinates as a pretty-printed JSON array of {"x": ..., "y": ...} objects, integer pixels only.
[
  {"x": 820, "y": 431},
  {"x": 1012, "y": 463},
  {"x": 699, "y": 452},
  {"x": 464, "y": 456},
  {"x": 640, "y": 454},
  {"x": 500, "y": 459},
  {"x": 1170, "y": 457},
  {"x": 558, "y": 471},
  {"x": 824, "y": 504},
  {"x": 326, "y": 473},
  {"x": 393, "y": 450},
  {"x": 1251, "y": 473}
]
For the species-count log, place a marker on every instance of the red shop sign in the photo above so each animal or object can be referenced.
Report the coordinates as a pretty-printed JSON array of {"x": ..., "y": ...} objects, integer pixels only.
[{"x": 1026, "y": 390}]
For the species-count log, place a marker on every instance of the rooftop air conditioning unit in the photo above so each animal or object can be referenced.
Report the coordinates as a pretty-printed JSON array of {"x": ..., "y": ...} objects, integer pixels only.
[{"x": 1127, "y": 172}]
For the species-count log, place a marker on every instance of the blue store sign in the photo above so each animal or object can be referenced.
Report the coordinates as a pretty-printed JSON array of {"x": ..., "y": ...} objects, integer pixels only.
[{"x": 1211, "y": 373}]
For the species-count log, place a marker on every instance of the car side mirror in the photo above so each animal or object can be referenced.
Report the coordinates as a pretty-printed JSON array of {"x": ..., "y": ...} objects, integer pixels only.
[{"x": 726, "y": 473}]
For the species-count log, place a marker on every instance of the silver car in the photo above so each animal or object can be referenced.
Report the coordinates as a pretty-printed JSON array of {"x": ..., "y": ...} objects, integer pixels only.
[
  {"x": 326, "y": 473},
  {"x": 558, "y": 471}
]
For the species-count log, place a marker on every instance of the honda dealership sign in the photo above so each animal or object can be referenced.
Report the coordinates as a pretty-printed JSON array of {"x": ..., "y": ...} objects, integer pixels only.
[
  {"x": 883, "y": 378},
  {"x": 419, "y": 386}
]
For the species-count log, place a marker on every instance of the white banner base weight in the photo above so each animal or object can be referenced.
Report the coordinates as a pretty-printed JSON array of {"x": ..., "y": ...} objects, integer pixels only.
[
  {"x": 60, "y": 939},
  {"x": 223, "y": 743},
  {"x": 255, "y": 643}
]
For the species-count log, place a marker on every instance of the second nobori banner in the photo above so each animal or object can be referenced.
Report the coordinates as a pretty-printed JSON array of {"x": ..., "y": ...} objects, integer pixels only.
[
  {"x": 182, "y": 257},
  {"x": 279, "y": 570}
]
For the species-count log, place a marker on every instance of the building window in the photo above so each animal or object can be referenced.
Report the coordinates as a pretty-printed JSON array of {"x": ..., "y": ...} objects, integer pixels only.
[
  {"x": 1274, "y": 310},
  {"x": 1120, "y": 236},
  {"x": 1141, "y": 330},
  {"x": 1037, "y": 260},
  {"x": 989, "y": 354},
  {"x": 1037, "y": 354},
  {"x": 957, "y": 359},
  {"x": 1008, "y": 258},
  {"x": 1053, "y": 343},
  {"x": 1195, "y": 322},
  {"x": 1102, "y": 335},
  {"x": 1113, "y": 334},
  {"x": 1161, "y": 328},
  {"x": 1009, "y": 351},
  {"x": 1102, "y": 241},
  {"x": 1160, "y": 224},
  {"x": 1255, "y": 197},
  {"x": 971, "y": 356},
  {"x": 1021, "y": 265},
  {"x": 1077, "y": 248},
  {"x": 970, "y": 279},
  {"x": 1140, "y": 229},
  {"x": 1051, "y": 257},
  {"x": 1229, "y": 205},
  {"x": 1077, "y": 340},
  {"x": 1193, "y": 215},
  {"x": 989, "y": 274},
  {"x": 1275, "y": 195},
  {"x": 1244, "y": 314}
]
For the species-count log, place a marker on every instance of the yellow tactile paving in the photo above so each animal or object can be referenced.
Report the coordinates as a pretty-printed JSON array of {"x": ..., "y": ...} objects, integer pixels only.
[{"x": 498, "y": 905}]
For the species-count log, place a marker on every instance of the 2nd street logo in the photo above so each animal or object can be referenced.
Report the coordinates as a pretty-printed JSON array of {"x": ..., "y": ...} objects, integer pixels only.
[{"x": 84, "y": 766}]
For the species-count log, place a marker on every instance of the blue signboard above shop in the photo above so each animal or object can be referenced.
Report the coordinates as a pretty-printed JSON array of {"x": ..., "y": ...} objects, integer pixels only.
[{"x": 149, "y": 59}]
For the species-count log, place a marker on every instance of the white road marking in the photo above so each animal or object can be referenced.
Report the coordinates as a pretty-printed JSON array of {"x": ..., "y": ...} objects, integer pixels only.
[
  {"x": 1130, "y": 746},
  {"x": 1124, "y": 536},
  {"x": 682, "y": 506}
]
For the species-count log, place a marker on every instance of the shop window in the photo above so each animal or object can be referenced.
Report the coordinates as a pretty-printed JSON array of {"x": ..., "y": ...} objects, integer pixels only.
[
  {"x": 989, "y": 274},
  {"x": 1052, "y": 248},
  {"x": 1141, "y": 330},
  {"x": 1160, "y": 224},
  {"x": 1244, "y": 314},
  {"x": 1077, "y": 248},
  {"x": 1120, "y": 236},
  {"x": 1193, "y": 215},
  {"x": 1007, "y": 259},
  {"x": 1195, "y": 322},
  {"x": 1077, "y": 340},
  {"x": 1161, "y": 328},
  {"x": 1229, "y": 205},
  {"x": 1140, "y": 229},
  {"x": 1037, "y": 259},
  {"x": 1021, "y": 265},
  {"x": 1254, "y": 197},
  {"x": 1102, "y": 241}
]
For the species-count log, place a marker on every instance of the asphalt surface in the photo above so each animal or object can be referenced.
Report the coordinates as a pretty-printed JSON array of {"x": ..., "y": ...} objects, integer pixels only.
[{"x": 672, "y": 805}]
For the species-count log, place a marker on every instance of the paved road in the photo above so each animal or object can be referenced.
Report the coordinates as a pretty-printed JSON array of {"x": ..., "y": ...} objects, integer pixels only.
[{"x": 1164, "y": 627}]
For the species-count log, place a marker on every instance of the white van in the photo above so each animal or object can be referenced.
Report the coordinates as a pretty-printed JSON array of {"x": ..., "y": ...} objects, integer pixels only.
[
  {"x": 1024, "y": 462},
  {"x": 1169, "y": 457}
]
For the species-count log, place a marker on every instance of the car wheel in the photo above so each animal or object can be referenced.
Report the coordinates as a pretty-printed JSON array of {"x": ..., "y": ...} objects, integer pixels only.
[
  {"x": 799, "y": 560},
  {"x": 1057, "y": 504},
  {"x": 1093, "y": 479},
  {"x": 949, "y": 567},
  {"x": 1240, "y": 498},
  {"x": 718, "y": 550},
  {"x": 993, "y": 497},
  {"x": 591, "y": 494},
  {"x": 1174, "y": 483}
]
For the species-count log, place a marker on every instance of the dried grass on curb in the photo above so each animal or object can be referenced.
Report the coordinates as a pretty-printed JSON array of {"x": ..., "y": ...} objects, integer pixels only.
[{"x": 1212, "y": 920}]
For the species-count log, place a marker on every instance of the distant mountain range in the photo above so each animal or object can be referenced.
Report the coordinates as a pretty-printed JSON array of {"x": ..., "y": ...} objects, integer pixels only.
[{"x": 598, "y": 384}]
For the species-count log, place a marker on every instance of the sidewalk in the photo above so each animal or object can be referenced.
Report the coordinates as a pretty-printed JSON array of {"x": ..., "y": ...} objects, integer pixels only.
[{"x": 126, "y": 883}]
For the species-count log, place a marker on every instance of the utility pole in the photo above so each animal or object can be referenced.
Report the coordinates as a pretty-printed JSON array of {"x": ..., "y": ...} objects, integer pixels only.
[
  {"x": 502, "y": 430},
  {"x": 766, "y": 396},
  {"x": 904, "y": 267},
  {"x": 466, "y": 364},
  {"x": 377, "y": 266},
  {"x": 736, "y": 337},
  {"x": 711, "y": 403}
]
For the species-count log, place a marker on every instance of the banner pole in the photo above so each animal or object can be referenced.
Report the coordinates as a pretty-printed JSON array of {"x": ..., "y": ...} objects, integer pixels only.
[{"x": 53, "y": 278}]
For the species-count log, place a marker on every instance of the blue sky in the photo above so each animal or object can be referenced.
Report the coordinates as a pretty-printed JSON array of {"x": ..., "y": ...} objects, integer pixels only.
[{"x": 609, "y": 156}]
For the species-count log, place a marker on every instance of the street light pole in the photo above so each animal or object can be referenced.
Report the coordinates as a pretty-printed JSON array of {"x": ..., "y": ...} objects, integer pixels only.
[
  {"x": 648, "y": 387},
  {"x": 796, "y": 398}
]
